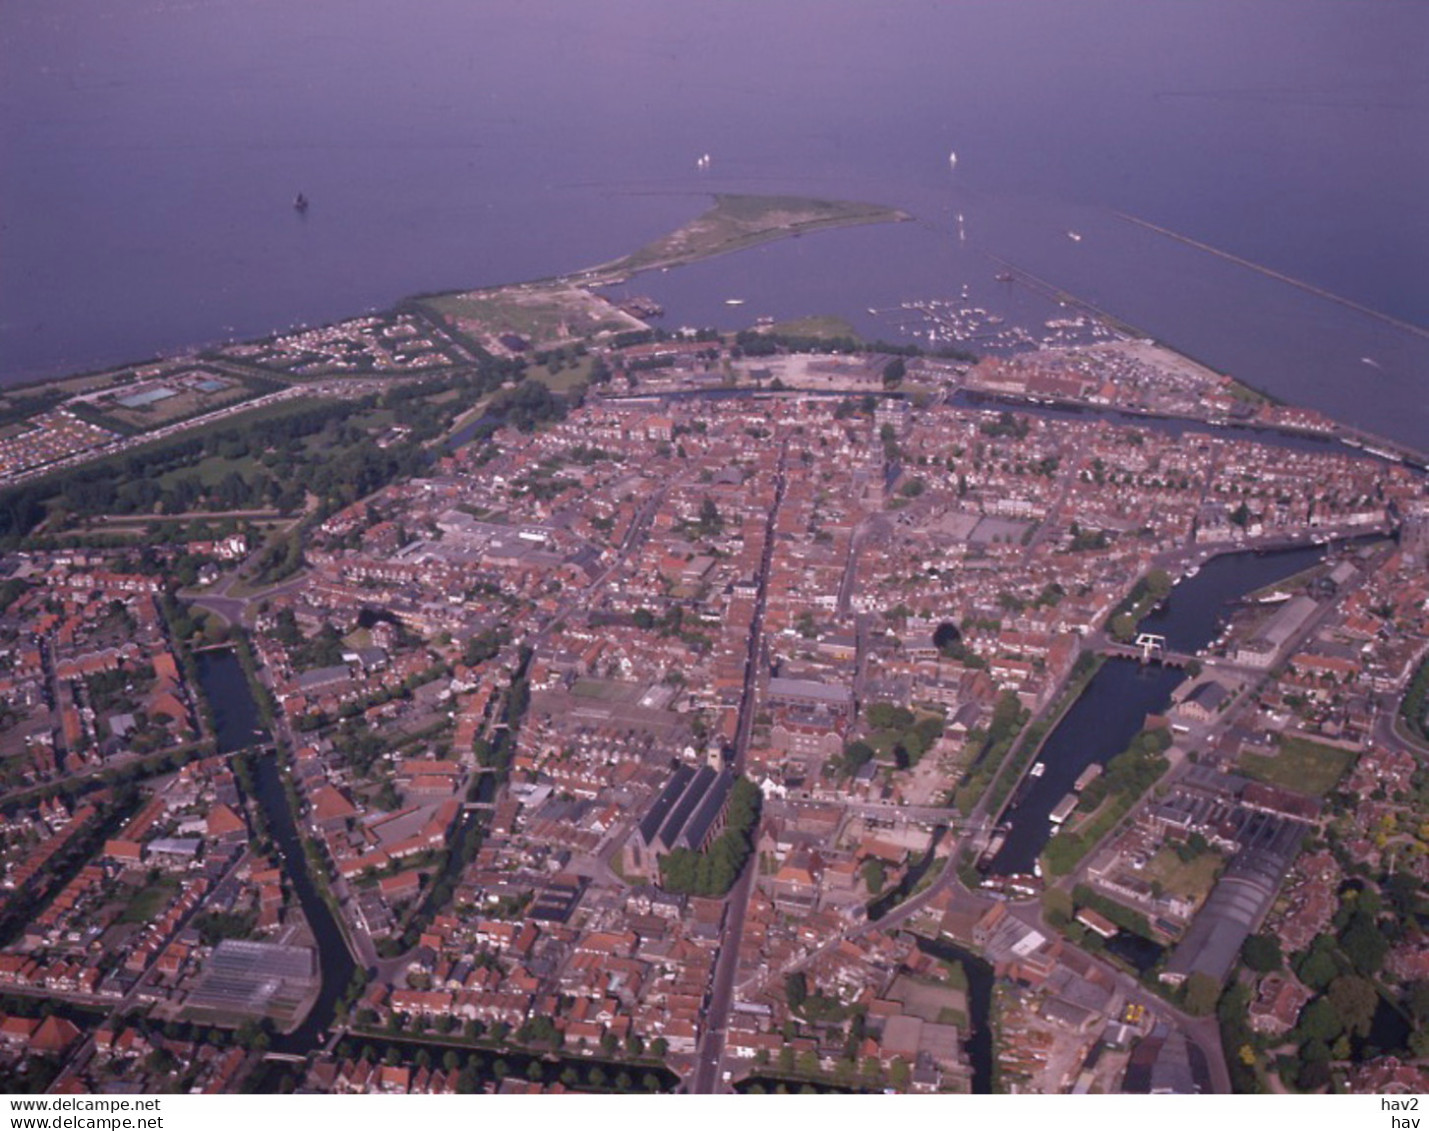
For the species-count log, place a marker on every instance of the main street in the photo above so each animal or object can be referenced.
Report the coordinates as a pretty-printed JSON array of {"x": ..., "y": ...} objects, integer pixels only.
[{"x": 707, "y": 1076}]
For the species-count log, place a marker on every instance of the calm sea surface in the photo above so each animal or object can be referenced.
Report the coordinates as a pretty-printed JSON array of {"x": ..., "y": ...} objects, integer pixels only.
[{"x": 152, "y": 149}]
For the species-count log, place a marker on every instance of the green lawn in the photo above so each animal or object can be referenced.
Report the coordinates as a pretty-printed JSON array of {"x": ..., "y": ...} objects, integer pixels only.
[
  {"x": 1301, "y": 765},
  {"x": 1192, "y": 880},
  {"x": 211, "y": 470},
  {"x": 816, "y": 326},
  {"x": 607, "y": 690},
  {"x": 566, "y": 379},
  {"x": 374, "y": 419},
  {"x": 149, "y": 900}
]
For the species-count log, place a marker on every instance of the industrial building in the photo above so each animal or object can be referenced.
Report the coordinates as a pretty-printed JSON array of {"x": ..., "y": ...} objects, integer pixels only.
[
  {"x": 836, "y": 698},
  {"x": 1240, "y": 900},
  {"x": 255, "y": 978},
  {"x": 1261, "y": 649}
]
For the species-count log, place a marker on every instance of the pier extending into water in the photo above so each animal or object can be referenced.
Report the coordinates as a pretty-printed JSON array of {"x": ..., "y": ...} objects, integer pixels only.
[{"x": 1279, "y": 277}]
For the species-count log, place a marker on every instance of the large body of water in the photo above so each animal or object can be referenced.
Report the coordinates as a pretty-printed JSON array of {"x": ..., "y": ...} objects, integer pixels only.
[{"x": 153, "y": 148}]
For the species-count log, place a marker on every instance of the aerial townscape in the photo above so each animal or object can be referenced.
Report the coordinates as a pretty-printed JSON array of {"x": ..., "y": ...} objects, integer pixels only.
[{"x": 512, "y": 692}]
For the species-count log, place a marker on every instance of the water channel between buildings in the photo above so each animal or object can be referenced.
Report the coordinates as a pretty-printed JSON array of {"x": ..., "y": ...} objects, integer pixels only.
[
  {"x": 1172, "y": 426},
  {"x": 979, "y": 1042},
  {"x": 239, "y": 726},
  {"x": 1114, "y": 706}
]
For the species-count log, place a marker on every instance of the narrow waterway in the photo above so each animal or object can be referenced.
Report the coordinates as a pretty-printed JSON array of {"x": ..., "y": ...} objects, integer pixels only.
[
  {"x": 1139, "y": 952},
  {"x": 978, "y": 1043},
  {"x": 906, "y": 886},
  {"x": 467, "y": 432},
  {"x": 1175, "y": 426},
  {"x": 1115, "y": 704},
  {"x": 334, "y": 960},
  {"x": 492, "y": 1065},
  {"x": 239, "y": 726},
  {"x": 1193, "y": 615},
  {"x": 237, "y": 721}
]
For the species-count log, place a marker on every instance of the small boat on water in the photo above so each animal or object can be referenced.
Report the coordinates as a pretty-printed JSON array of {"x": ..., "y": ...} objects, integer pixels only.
[
  {"x": 953, "y": 160},
  {"x": 734, "y": 302},
  {"x": 1063, "y": 809},
  {"x": 1022, "y": 884},
  {"x": 1075, "y": 237},
  {"x": 1037, "y": 770},
  {"x": 300, "y": 203}
]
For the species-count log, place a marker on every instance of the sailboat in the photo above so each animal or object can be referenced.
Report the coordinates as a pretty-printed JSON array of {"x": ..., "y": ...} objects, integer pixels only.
[
  {"x": 300, "y": 202},
  {"x": 953, "y": 159}
]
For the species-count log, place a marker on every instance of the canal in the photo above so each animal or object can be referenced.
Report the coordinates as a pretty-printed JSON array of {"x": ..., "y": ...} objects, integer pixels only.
[
  {"x": 979, "y": 1043},
  {"x": 238, "y": 723},
  {"x": 909, "y": 884},
  {"x": 1114, "y": 706},
  {"x": 467, "y": 432},
  {"x": 335, "y": 962},
  {"x": 1137, "y": 951},
  {"x": 1198, "y": 607},
  {"x": 1176, "y": 426},
  {"x": 239, "y": 726},
  {"x": 491, "y": 1065}
]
